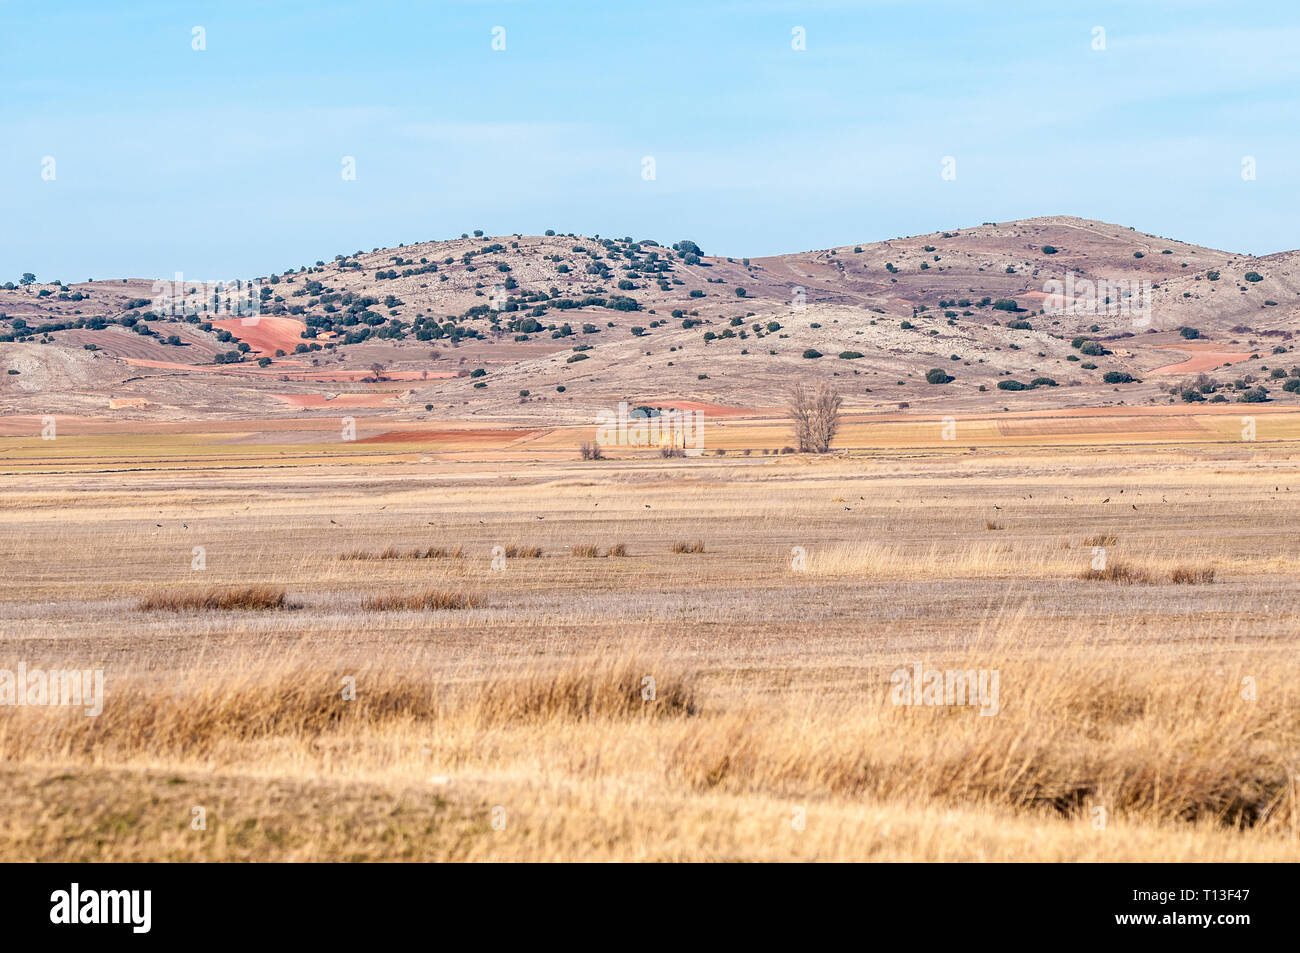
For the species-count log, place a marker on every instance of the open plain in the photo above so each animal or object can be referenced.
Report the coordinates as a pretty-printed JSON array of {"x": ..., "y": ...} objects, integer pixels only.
[{"x": 487, "y": 648}]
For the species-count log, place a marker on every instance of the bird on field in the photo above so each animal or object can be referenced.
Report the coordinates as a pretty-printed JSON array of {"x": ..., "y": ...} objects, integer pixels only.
[
  {"x": 185, "y": 526},
  {"x": 157, "y": 524},
  {"x": 336, "y": 524},
  {"x": 848, "y": 509},
  {"x": 1107, "y": 500},
  {"x": 996, "y": 507},
  {"x": 647, "y": 506},
  {"x": 1134, "y": 505}
]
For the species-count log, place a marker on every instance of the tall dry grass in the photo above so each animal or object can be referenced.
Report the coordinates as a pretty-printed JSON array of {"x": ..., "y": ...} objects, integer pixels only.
[{"x": 215, "y": 598}]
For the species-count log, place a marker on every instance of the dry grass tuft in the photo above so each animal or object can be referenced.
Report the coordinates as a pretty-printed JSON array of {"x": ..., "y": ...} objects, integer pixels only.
[
  {"x": 695, "y": 547},
  {"x": 216, "y": 599},
  {"x": 1192, "y": 575},
  {"x": 427, "y": 599},
  {"x": 1120, "y": 572},
  {"x": 1101, "y": 539},
  {"x": 618, "y": 549},
  {"x": 586, "y": 550},
  {"x": 519, "y": 551},
  {"x": 990, "y": 524}
]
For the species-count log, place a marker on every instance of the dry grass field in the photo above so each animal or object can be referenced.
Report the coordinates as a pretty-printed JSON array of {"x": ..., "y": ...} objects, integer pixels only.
[{"x": 324, "y": 652}]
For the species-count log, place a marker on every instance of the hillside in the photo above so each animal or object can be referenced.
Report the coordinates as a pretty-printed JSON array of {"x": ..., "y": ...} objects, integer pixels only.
[{"x": 562, "y": 325}]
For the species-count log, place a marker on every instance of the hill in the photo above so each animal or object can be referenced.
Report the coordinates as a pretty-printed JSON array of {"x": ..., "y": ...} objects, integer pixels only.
[{"x": 558, "y": 326}]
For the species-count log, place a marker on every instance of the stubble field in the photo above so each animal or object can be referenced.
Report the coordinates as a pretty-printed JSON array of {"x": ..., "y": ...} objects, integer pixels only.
[{"x": 716, "y": 687}]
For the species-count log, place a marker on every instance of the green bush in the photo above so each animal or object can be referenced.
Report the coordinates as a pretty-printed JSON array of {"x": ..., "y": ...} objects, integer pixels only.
[
  {"x": 812, "y": 353},
  {"x": 936, "y": 375},
  {"x": 1011, "y": 385}
]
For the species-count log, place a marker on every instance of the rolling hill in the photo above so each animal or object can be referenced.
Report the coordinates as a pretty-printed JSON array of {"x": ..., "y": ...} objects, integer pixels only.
[{"x": 557, "y": 326}]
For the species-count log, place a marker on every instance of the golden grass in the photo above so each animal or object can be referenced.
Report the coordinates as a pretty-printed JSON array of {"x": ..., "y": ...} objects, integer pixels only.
[
  {"x": 585, "y": 550},
  {"x": 216, "y": 599},
  {"x": 684, "y": 547},
  {"x": 521, "y": 551},
  {"x": 620, "y": 710}
]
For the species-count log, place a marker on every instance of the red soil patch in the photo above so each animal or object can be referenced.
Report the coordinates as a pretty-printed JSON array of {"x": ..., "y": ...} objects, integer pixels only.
[
  {"x": 1205, "y": 357},
  {"x": 265, "y": 335}
]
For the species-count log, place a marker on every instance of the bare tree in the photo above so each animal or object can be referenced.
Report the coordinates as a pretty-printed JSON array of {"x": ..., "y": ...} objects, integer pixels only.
[{"x": 815, "y": 414}]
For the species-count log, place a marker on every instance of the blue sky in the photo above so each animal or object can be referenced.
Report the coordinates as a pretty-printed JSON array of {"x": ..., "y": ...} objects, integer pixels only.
[{"x": 227, "y": 161}]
